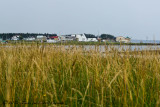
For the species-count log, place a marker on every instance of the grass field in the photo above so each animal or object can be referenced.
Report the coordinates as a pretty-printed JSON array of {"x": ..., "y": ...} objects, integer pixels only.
[{"x": 34, "y": 75}]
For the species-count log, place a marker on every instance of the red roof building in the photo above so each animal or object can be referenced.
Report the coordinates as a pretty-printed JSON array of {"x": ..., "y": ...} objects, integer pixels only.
[{"x": 53, "y": 37}]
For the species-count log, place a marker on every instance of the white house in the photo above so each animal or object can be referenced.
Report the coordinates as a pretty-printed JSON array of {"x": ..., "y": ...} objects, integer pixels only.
[
  {"x": 41, "y": 38},
  {"x": 85, "y": 37},
  {"x": 67, "y": 38},
  {"x": 123, "y": 39},
  {"x": 30, "y": 39},
  {"x": 91, "y": 38},
  {"x": 80, "y": 37},
  {"x": 16, "y": 37}
]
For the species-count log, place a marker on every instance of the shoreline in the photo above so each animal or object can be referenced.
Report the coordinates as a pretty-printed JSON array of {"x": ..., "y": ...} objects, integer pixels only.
[{"x": 78, "y": 43}]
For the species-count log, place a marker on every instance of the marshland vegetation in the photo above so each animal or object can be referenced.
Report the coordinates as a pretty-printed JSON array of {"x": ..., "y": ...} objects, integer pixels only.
[{"x": 38, "y": 75}]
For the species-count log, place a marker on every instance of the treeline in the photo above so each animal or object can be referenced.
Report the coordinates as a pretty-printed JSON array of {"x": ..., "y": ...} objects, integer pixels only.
[
  {"x": 108, "y": 37},
  {"x": 8, "y": 36}
]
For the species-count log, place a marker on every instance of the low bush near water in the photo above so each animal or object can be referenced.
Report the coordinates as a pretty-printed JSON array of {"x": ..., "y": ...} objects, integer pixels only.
[{"x": 38, "y": 75}]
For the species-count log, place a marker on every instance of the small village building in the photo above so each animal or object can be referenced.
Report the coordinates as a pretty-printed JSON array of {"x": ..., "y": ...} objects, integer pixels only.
[
  {"x": 80, "y": 37},
  {"x": 41, "y": 38},
  {"x": 15, "y": 38},
  {"x": 56, "y": 38},
  {"x": 53, "y": 39},
  {"x": 123, "y": 39},
  {"x": 30, "y": 39},
  {"x": 85, "y": 37},
  {"x": 91, "y": 38},
  {"x": 67, "y": 38}
]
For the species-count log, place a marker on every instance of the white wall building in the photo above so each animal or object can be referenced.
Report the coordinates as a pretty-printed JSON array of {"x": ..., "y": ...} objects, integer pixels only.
[
  {"x": 16, "y": 37},
  {"x": 123, "y": 39},
  {"x": 30, "y": 39},
  {"x": 66, "y": 38},
  {"x": 84, "y": 38},
  {"x": 41, "y": 38},
  {"x": 80, "y": 37},
  {"x": 92, "y": 40}
]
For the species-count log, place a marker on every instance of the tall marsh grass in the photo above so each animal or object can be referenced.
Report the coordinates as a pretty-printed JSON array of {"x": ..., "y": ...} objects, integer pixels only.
[{"x": 38, "y": 75}]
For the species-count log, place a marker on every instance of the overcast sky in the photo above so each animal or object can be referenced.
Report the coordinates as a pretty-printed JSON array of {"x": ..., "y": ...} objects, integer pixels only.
[{"x": 138, "y": 19}]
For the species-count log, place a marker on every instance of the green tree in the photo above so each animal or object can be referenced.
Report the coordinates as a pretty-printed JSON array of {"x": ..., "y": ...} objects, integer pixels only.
[{"x": 108, "y": 37}]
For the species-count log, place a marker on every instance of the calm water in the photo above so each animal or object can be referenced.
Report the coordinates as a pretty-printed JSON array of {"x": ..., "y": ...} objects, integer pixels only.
[
  {"x": 145, "y": 41},
  {"x": 102, "y": 48},
  {"x": 126, "y": 47}
]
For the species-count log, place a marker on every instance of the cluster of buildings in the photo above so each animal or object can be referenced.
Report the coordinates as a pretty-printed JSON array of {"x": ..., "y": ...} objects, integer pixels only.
[
  {"x": 72, "y": 37},
  {"x": 53, "y": 39}
]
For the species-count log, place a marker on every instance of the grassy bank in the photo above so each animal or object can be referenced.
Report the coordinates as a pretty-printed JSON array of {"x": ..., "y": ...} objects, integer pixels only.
[
  {"x": 33, "y": 75},
  {"x": 80, "y": 43}
]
